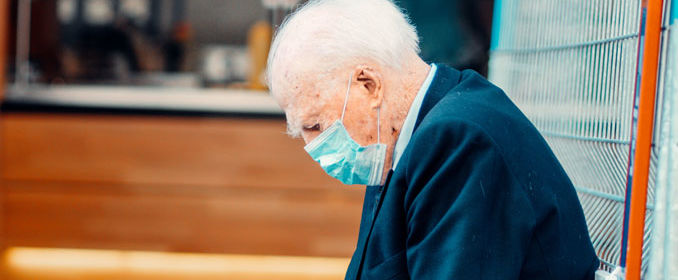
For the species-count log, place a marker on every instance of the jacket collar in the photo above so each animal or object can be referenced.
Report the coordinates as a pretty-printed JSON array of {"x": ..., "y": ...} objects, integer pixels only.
[{"x": 445, "y": 79}]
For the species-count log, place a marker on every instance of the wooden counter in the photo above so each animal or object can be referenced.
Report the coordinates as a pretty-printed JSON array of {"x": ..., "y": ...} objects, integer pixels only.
[{"x": 169, "y": 183}]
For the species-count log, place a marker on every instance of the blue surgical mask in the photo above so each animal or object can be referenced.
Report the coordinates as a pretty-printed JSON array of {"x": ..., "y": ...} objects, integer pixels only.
[{"x": 343, "y": 158}]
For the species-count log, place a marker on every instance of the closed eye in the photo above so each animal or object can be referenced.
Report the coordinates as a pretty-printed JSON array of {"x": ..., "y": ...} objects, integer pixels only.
[{"x": 314, "y": 127}]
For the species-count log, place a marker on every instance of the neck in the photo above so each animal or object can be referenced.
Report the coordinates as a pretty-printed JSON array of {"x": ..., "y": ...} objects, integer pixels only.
[{"x": 397, "y": 105}]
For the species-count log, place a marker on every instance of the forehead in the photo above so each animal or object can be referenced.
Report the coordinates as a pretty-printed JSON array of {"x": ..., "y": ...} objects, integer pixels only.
[
  {"x": 302, "y": 92},
  {"x": 302, "y": 105},
  {"x": 292, "y": 96},
  {"x": 305, "y": 91}
]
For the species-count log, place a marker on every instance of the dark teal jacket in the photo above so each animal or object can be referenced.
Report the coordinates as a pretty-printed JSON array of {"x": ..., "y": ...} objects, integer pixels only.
[{"x": 477, "y": 194}]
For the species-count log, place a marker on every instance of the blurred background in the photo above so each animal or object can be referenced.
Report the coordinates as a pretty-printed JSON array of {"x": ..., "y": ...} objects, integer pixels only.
[
  {"x": 138, "y": 141},
  {"x": 204, "y": 43}
]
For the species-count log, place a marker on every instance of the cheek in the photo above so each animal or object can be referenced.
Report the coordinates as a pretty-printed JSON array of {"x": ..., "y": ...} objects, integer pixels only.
[
  {"x": 362, "y": 133},
  {"x": 309, "y": 136},
  {"x": 364, "y": 122}
]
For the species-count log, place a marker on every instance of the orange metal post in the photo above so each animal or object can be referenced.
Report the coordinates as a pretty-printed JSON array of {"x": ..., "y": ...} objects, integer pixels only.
[{"x": 646, "y": 112}]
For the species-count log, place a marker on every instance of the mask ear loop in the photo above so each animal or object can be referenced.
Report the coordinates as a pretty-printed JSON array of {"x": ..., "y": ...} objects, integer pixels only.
[
  {"x": 343, "y": 111},
  {"x": 348, "y": 90},
  {"x": 378, "y": 125}
]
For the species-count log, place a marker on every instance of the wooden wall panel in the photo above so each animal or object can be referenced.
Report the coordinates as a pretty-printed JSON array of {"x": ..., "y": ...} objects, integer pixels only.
[
  {"x": 212, "y": 220},
  {"x": 170, "y": 184},
  {"x": 154, "y": 150}
]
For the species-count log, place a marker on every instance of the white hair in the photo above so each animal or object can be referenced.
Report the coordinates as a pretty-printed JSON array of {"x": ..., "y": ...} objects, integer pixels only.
[{"x": 335, "y": 33}]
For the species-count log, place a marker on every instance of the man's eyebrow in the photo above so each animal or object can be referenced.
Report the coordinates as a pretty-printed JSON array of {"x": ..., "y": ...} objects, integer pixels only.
[
  {"x": 294, "y": 127},
  {"x": 294, "y": 133}
]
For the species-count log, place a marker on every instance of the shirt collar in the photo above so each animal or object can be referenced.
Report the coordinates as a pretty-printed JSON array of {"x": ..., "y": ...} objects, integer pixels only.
[{"x": 410, "y": 120}]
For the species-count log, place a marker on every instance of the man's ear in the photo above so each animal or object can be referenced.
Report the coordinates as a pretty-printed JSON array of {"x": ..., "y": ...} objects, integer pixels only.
[{"x": 371, "y": 84}]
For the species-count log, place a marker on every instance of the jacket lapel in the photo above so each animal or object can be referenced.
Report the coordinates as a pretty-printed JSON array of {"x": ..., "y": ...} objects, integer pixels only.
[
  {"x": 445, "y": 79},
  {"x": 374, "y": 195}
]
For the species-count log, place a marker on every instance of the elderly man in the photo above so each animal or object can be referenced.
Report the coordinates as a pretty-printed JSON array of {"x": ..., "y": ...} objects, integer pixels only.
[{"x": 460, "y": 185}]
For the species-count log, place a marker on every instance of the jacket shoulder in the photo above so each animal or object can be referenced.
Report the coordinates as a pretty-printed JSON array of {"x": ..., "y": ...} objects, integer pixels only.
[{"x": 476, "y": 102}]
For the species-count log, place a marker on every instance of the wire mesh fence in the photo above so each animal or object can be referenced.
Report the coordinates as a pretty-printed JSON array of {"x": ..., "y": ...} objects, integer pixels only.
[{"x": 570, "y": 65}]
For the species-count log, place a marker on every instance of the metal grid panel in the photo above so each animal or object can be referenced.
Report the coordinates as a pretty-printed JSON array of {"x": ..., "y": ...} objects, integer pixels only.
[{"x": 570, "y": 65}]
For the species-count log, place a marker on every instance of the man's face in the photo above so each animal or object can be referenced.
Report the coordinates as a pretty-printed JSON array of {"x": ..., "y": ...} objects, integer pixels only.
[{"x": 309, "y": 113}]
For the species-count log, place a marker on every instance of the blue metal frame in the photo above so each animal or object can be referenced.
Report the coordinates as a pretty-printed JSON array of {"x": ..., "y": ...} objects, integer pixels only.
[{"x": 496, "y": 25}]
